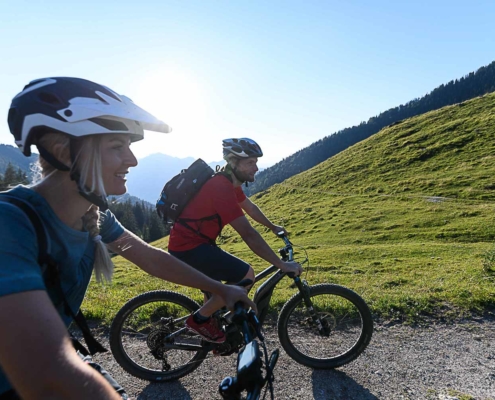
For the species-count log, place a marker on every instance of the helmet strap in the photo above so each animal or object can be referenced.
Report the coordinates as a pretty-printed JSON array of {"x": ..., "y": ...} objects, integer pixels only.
[
  {"x": 97, "y": 200},
  {"x": 230, "y": 169},
  {"x": 51, "y": 159},
  {"x": 94, "y": 198}
]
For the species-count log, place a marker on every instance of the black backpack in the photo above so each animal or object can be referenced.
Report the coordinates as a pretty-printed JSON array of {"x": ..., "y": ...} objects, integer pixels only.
[
  {"x": 180, "y": 190},
  {"x": 51, "y": 276}
]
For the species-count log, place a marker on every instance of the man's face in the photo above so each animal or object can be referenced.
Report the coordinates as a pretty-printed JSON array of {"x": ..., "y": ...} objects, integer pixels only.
[{"x": 247, "y": 168}]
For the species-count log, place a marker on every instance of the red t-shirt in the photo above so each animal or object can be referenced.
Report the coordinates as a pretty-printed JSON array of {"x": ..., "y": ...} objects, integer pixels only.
[{"x": 217, "y": 196}]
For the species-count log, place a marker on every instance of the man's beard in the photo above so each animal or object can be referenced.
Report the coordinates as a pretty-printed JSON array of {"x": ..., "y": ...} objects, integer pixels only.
[{"x": 244, "y": 176}]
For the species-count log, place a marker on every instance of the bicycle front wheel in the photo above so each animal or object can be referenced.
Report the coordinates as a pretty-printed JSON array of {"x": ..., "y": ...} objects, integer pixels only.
[
  {"x": 148, "y": 338},
  {"x": 342, "y": 331}
]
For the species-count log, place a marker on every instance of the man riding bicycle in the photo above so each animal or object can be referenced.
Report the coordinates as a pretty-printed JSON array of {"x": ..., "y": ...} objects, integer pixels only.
[{"x": 220, "y": 202}]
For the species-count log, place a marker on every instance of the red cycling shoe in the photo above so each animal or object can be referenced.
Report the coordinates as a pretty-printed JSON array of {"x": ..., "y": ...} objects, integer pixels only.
[{"x": 208, "y": 330}]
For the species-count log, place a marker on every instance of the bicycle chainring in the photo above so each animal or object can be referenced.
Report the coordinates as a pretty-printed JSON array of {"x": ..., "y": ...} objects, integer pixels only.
[{"x": 233, "y": 342}]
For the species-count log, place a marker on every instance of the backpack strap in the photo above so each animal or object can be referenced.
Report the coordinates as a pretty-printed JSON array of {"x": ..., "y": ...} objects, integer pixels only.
[
  {"x": 51, "y": 272},
  {"x": 184, "y": 222}
]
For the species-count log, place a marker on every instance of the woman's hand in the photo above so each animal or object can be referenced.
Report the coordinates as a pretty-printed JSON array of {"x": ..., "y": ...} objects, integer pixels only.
[
  {"x": 291, "y": 267},
  {"x": 232, "y": 294}
]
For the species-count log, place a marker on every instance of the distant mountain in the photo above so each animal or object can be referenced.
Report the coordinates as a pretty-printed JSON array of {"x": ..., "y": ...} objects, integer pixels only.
[
  {"x": 11, "y": 154},
  {"x": 132, "y": 199},
  {"x": 146, "y": 181}
]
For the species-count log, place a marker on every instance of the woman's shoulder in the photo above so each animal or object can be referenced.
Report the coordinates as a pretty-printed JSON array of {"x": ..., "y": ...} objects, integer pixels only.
[
  {"x": 13, "y": 220},
  {"x": 25, "y": 194}
]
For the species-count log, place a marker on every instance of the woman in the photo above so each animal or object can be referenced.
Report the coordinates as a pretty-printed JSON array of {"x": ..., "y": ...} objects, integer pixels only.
[{"x": 83, "y": 132}]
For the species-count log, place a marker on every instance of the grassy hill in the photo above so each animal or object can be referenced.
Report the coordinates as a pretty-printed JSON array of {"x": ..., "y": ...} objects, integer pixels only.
[{"x": 405, "y": 218}]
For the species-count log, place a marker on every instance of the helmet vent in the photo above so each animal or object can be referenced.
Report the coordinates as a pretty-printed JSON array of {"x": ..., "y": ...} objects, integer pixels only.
[
  {"x": 49, "y": 98},
  {"x": 110, "y": 124}
]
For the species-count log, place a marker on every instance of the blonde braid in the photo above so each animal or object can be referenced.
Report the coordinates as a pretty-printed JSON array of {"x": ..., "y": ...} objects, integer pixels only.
[{"x": 103, "y": 264}]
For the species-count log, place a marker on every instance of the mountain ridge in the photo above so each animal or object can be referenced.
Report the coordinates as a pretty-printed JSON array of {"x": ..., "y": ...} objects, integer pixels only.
[{"x": 456, "y": 91}]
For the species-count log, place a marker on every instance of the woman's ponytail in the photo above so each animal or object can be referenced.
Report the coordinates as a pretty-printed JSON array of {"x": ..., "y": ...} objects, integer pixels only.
[{"x": 103, "y": 265}]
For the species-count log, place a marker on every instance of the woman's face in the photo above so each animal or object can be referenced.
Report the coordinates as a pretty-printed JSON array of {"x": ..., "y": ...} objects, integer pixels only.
[{"x": 116, "y": 159}]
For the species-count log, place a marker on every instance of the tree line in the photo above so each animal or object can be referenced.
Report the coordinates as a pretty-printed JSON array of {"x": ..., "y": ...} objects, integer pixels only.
[
  {"x": 140, "y": 218},
  {"x": 456, "y": 91},
  {"x": 12, "y": 177}
]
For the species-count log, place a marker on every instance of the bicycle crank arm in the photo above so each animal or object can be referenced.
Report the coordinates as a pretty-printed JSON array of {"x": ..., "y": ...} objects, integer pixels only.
[
  {"x": 175, "y": 334},
  {"x": 190, "y": 347}
]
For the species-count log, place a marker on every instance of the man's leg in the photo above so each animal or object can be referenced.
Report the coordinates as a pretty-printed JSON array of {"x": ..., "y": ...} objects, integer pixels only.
[
  {"x": 218, "y": 265},
  {"x": 216, "y": 302}
]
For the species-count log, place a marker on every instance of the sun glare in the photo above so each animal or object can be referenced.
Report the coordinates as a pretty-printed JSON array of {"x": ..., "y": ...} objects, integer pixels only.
[{"x": 178, "y": 100}]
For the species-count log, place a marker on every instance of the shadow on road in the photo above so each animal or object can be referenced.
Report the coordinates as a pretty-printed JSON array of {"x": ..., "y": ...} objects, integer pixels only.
[
  {"x": 171, "y": 390},
  {"x": 331, "y": 384}
]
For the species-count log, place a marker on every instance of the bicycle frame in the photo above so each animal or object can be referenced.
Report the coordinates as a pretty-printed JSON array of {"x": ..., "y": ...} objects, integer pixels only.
[{"x": 264, "y": 293}]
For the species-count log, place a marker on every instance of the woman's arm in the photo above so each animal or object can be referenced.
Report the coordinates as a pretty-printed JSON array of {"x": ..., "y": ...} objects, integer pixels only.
[
  {"x": 37, "y": 354},
  {"x": 161, "y": 264}
]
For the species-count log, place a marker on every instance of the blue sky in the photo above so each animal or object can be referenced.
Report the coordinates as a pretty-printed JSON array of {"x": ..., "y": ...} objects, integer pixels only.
[{"x": 285, "y": 73}]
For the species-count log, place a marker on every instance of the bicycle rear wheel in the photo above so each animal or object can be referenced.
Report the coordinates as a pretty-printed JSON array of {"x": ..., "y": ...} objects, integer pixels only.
[
  {"x": 346, "y": 327},
  {"x": 140, "y": 337}
]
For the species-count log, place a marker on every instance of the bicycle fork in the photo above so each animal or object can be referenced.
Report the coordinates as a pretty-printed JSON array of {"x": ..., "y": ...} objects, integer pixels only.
[{"x": 303, "y": 287}]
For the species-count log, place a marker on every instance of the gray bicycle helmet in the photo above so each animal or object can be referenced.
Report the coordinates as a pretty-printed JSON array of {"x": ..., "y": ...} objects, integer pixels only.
[{"x": 242, "y": 148}]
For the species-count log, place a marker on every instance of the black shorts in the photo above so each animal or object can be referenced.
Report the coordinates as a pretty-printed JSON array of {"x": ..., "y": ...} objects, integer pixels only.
[{"x": 214, "y": 262}]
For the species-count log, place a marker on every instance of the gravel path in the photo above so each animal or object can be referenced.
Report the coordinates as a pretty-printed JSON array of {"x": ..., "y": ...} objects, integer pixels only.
[{"x": 435, "y": 362}]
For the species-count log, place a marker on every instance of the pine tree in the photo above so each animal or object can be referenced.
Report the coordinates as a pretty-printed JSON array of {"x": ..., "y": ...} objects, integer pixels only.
[
  {"x": 13, "y": 177},
  {"x": 157, "y": 229}
]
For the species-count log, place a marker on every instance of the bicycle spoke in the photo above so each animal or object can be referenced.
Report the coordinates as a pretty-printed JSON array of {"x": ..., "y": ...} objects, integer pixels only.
[
  {"x": 341, "y": 333},
  {"x": 143, "y": 329}
]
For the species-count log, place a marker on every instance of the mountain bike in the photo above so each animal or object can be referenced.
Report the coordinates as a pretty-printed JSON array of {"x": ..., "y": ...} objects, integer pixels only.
[{"x": 322, "y": 326}]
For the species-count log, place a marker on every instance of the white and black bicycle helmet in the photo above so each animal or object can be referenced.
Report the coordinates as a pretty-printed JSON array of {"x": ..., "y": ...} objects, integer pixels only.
[
  {"x": 77, "y": 108},
  {"x": 241, "y": 148}
]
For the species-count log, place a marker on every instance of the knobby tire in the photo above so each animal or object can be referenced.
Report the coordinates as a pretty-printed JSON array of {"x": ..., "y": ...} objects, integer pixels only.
[
  {"x": 346, "y": 317},
  {"x": 140, "y": 322}
]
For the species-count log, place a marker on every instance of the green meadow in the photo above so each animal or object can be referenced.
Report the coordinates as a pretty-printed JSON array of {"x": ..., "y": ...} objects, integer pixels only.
[{"x": 404, "y": 218}]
